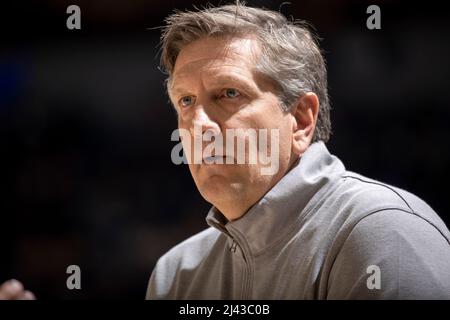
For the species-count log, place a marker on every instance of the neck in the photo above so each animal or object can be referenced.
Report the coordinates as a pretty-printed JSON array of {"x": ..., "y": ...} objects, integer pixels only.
[{"x": 235, "y": 209}]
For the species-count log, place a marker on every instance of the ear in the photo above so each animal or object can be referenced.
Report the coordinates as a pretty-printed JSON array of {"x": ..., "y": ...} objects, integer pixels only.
[{"x": 305, "y": 118}]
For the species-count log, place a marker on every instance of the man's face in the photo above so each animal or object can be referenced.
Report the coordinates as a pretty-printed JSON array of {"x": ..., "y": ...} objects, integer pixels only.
[{"x": 215, "y": 86}]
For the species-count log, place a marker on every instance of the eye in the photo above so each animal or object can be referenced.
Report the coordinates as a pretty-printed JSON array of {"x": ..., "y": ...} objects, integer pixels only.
[
  {"x": 231, "y": 93},
  {"x": 186, "y": 101}
]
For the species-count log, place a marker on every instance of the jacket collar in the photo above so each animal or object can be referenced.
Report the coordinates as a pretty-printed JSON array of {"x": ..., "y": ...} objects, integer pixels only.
[{"x": 280, "y": 209}]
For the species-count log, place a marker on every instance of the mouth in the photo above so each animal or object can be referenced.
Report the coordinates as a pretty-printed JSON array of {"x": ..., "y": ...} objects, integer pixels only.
[{"x": 217, "y": 159}]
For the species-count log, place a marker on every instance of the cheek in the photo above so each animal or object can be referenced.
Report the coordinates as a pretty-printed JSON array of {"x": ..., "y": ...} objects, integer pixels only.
[
  {"x": 267, "y": 113},
  {"x": 263, "y": 114},
  {"x": 182, "y": 123},
  {"x": 279, "y": 136},
  {"x": 189, "y": 148}
]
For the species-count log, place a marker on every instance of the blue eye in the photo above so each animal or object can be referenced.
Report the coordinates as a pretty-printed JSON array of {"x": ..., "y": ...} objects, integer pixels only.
[
  {"x": 232, "y": 93},
  {"x": 186, "y": 101}
]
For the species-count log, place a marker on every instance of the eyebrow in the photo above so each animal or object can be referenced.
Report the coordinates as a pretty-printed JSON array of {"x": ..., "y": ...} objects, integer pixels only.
[{"x": 221, "y": 80}]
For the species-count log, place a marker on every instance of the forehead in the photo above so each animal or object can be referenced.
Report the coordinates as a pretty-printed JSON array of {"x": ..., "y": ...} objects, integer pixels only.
[{"x": 212, "y": 53}]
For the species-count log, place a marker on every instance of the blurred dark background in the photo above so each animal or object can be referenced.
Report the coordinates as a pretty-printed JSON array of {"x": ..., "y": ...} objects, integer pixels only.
[{"x": 86, "y": 174}]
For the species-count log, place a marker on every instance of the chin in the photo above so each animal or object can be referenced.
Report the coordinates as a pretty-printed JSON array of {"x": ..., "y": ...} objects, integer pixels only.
[{"x": 216, "y": 189}]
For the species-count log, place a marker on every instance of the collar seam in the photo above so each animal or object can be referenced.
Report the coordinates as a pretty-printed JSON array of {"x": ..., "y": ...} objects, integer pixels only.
[{"x": 309, "y": 207}]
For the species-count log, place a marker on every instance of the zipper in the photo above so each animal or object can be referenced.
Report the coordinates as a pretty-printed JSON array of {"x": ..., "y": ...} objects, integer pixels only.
[
  {"x": 233, "y": 246},
  {"x": 247, "y": 274}
]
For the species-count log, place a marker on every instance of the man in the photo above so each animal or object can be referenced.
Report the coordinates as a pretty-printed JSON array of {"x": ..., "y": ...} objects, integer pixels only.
[{"x": 311, "y": 230}]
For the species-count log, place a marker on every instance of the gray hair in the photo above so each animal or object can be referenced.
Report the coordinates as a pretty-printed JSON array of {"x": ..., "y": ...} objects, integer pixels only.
[{"x": 290, "y": 54}]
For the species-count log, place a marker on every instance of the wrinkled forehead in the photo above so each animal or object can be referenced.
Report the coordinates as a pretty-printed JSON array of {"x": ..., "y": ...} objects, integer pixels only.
[{"x": 213, "y": 52}]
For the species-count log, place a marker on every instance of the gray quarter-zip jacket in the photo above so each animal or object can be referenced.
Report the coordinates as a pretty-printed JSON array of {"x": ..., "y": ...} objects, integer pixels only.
[{"x": 320, "y": 233}]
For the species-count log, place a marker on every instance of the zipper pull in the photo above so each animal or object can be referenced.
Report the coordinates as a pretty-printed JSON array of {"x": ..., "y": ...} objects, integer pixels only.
[{"x": 233, "y": 246}]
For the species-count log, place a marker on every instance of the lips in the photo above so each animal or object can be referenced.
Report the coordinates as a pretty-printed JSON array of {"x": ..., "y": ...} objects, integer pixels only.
[{"x": 217, "y": 159}]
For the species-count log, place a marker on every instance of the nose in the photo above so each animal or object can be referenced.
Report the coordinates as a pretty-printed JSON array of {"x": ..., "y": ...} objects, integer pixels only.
[{"x": 204, "y": 122}]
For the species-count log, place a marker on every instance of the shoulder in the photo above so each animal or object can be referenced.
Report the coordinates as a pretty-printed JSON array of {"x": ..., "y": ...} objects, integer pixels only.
[
  {"x": 383, "y": 230},
  {"x": 373, "y": 192},
  {"x": 390, "y": 228},
  {"x": 411, "y": 254},
  {"x": 192, "y": 250},
  {"x": 361, "y": 197},
  {"x": 188, "y": 255}
]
